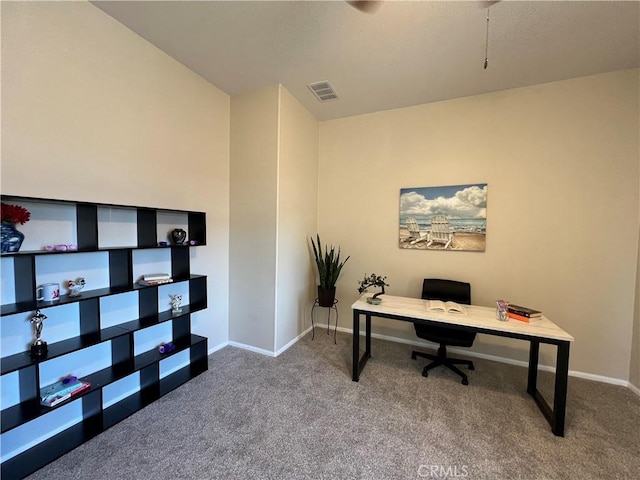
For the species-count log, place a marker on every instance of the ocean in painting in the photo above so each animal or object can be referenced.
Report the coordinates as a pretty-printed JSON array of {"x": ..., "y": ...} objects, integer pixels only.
[{"x": 471, "y": 225}]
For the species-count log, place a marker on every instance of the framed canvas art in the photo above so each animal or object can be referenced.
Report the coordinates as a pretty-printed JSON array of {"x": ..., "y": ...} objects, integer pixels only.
[{"x": 450, "y": 218}]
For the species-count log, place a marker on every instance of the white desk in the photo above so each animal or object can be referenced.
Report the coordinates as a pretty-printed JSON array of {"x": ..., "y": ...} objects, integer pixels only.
[{"x": 481, "y": 320}]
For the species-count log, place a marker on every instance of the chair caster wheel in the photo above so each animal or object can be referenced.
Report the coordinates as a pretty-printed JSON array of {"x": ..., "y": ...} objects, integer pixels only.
[
  {"x": 465, "y": 381},
  {"x": 471, "y": 367},
  {"x": 413, "y": 355},
  {"x": 425, "y": 374}
]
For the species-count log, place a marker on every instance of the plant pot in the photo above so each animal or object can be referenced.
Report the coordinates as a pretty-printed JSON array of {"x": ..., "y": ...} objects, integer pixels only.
[{"x": 326, "y": 298}]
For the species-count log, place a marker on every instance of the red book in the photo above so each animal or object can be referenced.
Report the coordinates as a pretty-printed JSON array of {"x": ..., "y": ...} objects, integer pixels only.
[
  {"x": 522, "y": 318},
  {"x": 55, "y": 399},
  {"x": 84, "y": 386}
]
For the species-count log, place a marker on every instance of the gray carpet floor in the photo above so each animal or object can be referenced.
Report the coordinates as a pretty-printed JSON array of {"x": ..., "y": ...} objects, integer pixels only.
[{"x": 299, "y": 416}]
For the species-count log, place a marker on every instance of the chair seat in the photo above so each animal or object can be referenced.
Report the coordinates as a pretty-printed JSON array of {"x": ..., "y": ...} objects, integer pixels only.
[{"x": 446, "y": 336}]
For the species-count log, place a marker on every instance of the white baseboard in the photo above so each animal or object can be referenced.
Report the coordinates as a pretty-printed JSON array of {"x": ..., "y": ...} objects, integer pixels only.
[
  {"x": 215, "y": 348},
  {"x": 416, "y": 343},
  {"x": 261, "y": 350},
  {"x": 633, "y": 388},
  {"x": 251, "y": 348},
  {"x": 292, "y": 342},
  {"x": 546, "y": 368}
]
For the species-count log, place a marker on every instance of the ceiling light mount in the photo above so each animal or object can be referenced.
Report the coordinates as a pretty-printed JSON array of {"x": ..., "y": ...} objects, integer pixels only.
[{"x": 486, "y": 43}]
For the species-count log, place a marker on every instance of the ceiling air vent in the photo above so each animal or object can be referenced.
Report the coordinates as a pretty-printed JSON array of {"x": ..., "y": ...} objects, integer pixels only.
[{"x": 323, "y": 91}]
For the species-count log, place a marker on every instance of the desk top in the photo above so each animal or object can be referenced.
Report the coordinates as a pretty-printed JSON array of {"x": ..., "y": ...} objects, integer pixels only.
[{"x": 478, "y": 317}]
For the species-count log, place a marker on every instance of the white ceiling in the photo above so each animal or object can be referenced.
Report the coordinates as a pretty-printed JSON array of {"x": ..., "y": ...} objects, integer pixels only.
[{"x": 404, "y": 53}]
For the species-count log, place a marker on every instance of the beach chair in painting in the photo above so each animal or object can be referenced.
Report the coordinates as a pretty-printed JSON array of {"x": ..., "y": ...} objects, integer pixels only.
[
  {"x": 414, "y": 231},
  {"x": 440, "y": 232}
]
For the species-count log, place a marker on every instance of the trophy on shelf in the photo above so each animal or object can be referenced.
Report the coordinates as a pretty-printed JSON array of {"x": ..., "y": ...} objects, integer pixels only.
[
  {"x": 176, "y": 300},
  {"x": 39, "y": 346}
]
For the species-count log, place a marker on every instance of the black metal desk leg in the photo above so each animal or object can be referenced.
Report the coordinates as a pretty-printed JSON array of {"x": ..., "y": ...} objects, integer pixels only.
[
  {"x": 534, "y": 353},
  {"x": 355, "y": 372},
  {"x": 554, "y": 416},
  {"x": 560, "y": 392},
  {"x": 368, "y": 336},
  {"x": 360, "y": 361}
]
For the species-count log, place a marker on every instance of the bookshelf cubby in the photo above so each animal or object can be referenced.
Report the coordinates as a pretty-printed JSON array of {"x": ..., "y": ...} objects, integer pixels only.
[{"x": 126, "y": 370}]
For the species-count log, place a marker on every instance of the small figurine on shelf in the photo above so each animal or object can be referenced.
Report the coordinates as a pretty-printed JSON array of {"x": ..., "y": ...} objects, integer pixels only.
[
  {"x": 373, "y": 280},
  {"x": 39, "y": 346},
  {"x": 176, "y": 300},
  {"x": 166, "y": 347},
  {"x": 75, "y": 286}
]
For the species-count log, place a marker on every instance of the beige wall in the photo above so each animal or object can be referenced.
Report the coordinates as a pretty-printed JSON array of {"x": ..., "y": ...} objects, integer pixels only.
[
  {"x": 254, "y": 174},
  {"x": 297, "y": 217},
  {"x": 561, "y": 163},
  {"x": 91, "y": 111},
  {"x": 274, "y": 186}
]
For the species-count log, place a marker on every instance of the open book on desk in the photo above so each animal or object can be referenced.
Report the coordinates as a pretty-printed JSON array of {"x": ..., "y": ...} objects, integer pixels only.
[{"x": 445, "y": 307}]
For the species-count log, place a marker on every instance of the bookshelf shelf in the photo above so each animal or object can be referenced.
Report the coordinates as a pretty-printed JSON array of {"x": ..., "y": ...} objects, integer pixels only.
[{"x": 124, "y": 359}]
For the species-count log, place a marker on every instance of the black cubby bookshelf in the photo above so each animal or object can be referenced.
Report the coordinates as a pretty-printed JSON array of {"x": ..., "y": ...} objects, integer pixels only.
[{"x": 120, "y": 338}]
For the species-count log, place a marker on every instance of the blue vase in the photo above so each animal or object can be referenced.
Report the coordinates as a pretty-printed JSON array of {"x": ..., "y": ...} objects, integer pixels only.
[{"x": 11, "y": 238}]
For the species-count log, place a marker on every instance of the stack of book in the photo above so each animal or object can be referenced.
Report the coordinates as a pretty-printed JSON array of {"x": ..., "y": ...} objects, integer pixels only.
[
  {"x": 155, "y": 279},
  {"x": 63, "y": 390},
  {"x": 524, "y": 314}
]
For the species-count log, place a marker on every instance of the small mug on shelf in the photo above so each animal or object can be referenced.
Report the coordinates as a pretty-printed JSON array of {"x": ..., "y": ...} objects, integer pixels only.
[{"x": 48, "y": 292}]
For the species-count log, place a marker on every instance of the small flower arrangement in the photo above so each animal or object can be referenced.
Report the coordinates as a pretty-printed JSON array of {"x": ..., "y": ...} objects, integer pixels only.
[
  {"x": 14, "y": 214},
  {"x": 373, "y": 280}
]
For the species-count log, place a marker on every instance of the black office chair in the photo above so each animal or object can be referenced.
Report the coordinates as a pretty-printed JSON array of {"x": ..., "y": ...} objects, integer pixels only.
[{"x": 445, "y": 290}]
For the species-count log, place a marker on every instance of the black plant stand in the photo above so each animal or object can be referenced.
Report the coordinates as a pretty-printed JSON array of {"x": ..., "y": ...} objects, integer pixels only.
[{"x": 332, "y": 307}]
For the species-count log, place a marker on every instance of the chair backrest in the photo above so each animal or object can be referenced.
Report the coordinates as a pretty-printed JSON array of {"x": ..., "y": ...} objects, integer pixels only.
[
  {"x": 440, "y": 229},
  {"x": 413, "y": 227},
  {"x": 446, "y": 290}
]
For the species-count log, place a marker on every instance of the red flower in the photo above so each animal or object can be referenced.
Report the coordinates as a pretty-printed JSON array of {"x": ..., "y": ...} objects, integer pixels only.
[{"x": 15, "y": 214}]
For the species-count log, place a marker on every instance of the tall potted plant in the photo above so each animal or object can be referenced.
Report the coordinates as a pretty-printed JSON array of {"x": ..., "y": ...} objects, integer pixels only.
[{"x": 329, "y": 268}]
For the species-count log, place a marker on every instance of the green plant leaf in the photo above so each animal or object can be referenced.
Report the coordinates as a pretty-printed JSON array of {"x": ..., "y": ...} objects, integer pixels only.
[{"x": 328, "y": 263}]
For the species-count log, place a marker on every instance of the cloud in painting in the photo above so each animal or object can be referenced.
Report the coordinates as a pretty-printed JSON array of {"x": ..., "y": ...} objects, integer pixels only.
[{"x": 470, "y": 202}]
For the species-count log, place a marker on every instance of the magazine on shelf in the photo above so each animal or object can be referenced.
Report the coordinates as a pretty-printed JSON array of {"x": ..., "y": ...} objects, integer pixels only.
[
  {"x": 147, "y": 283},
  {"x": 60, "y": 391},
  {"x": 445, "y": 307},
  {"x": 155, "y": 276}
]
